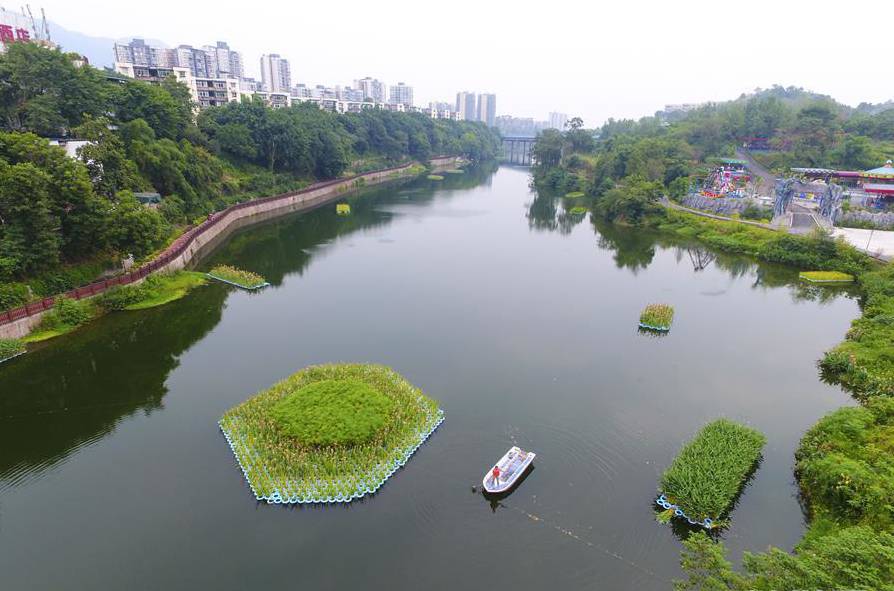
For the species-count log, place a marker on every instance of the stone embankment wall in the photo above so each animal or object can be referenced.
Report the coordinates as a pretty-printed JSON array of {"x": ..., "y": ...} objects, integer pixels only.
[{"x": 18, "y": 322}]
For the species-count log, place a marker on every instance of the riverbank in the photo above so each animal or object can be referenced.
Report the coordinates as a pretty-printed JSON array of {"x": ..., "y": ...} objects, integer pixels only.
[{"x": 19, "y": 322}]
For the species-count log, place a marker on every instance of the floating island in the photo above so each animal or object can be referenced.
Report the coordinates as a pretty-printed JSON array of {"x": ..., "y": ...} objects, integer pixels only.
[{"x": 329, "y": 433}]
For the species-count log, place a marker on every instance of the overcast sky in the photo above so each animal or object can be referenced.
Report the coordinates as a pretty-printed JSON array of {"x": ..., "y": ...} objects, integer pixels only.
[{"x": 627, "y": 58}]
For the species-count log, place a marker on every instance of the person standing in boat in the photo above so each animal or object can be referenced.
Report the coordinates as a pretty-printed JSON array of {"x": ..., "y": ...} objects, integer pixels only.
[{"x": 496, "y": 474}]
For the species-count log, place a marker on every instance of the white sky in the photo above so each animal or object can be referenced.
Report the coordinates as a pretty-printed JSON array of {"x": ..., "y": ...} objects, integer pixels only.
[{"x": 624, "y": 58}]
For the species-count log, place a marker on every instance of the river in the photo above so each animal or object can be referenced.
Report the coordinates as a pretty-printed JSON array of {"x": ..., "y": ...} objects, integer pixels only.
[{"x": 518, "y": 319}]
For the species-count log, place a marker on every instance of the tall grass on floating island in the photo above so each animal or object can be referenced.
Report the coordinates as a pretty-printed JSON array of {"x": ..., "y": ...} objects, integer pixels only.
[
  {"x": 237, "y": 277},
  {"x": 708, "y": 474},
  {"x": 10, "y": 348},
  {"x": 826, "y": 277},
  {"x": 657, "y": 317},
  {"x": 329, "y": 433}
]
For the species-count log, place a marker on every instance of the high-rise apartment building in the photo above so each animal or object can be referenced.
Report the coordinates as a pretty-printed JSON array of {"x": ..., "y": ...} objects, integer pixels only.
[
  {"x": 373, "y": 89},
  {"x": 195, "y": 60},
  {"x": 465, "y": 106},
  {"x": 401, "y": 95},
  {"x": 558, "y": 120},
  {"x": 487, "y": 109},
  {"x": 223, "y": 61},
  {"x": 276, "y": 73}
]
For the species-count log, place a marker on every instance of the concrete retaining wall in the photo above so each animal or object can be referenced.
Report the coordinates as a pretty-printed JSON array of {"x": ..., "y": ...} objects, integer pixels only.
[{"x": 196, "y": 242}]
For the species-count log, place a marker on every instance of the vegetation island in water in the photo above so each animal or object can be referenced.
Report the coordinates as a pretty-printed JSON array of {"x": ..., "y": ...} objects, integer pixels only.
[{"x": 329, "y": 433}]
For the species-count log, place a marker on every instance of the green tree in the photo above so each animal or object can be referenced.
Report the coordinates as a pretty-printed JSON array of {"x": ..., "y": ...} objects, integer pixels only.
[
  {"x": 41, "y": 90},
  {"x": 29, "y": 232},
  {"x": 106, "y": 158}
]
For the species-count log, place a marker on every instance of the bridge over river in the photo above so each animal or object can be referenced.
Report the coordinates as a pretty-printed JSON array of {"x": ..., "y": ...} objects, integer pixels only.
[{"x": 518, "y": 150}]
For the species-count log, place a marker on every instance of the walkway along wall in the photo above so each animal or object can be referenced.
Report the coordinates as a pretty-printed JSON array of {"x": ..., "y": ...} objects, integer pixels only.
[{"x": 18, "y": 322}]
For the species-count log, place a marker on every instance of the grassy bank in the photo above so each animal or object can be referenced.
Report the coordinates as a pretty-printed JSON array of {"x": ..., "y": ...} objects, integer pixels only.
[
  {"x": 156, "y": 290},
  {"x": 330, "y": 432}
]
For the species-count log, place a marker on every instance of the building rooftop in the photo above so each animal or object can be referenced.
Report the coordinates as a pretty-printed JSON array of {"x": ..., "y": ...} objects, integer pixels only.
[{"x": 886, "y": 171}]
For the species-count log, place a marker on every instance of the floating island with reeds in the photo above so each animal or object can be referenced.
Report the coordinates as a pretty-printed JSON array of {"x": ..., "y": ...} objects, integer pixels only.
[
  {"x": 657, "y": 317},
  {"x": 329, "y": 433},
  {"x": 826, "y": 277},
  {"x": 707, "y": 476},
  {"x": 238, "y": 277},
  {"x": 10, "y": 348}
]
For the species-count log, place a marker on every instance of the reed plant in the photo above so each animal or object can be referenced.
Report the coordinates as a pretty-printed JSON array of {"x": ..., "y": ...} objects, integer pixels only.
[
  {"x": 240, "y": 277},
  {"x": 11, "y": 348},
  {"x": 279, "y": 462},
  {"x": 659, "y": 316},
  {"x": 709, "y": 472}
]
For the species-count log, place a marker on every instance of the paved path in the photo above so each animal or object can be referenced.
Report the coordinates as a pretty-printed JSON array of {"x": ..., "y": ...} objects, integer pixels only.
[
  {"x": 766, "y": 180},
  {"x": 878, "y": 243}
]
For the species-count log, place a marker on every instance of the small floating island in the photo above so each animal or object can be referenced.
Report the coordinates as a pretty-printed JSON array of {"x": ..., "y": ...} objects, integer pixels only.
[
  {"x": 826, "y": 277},
  {"x": 657, "y": 317},
  {"x": 238, "y": 277},
  {"x": 329, "y": 433}
]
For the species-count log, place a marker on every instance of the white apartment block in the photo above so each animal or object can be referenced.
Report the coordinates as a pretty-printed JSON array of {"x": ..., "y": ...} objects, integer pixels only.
[
  {"x": 401, "y": 94},
  {"x": 276, "y": 73}
]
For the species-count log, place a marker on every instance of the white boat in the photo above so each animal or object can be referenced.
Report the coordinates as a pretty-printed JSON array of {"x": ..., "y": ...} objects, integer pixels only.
[{"x": 511, "y": 466}]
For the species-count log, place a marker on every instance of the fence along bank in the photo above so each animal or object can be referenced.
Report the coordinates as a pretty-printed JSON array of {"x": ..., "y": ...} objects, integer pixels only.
[{"x": 18, "y": 322}]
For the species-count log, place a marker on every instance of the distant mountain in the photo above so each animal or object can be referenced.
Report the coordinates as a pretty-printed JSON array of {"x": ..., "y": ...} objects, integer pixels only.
[{"x": 97, "y": 49}]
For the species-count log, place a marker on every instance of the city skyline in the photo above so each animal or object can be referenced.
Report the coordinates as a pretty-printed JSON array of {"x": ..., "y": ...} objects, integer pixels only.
[{"x": 612, "y": 73}]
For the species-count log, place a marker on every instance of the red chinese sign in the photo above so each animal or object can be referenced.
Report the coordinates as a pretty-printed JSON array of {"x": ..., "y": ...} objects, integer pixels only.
[{"x": 10, "y": 35}]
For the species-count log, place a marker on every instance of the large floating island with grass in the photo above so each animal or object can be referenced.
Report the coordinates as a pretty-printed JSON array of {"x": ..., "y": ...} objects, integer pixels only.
[{"x": 329, "y": 433}]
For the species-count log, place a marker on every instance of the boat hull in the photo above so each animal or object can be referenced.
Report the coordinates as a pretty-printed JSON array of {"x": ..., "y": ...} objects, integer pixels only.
[{"x": 512, "y": 463}]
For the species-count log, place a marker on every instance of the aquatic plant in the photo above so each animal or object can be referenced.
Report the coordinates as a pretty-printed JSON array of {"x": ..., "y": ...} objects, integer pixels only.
[
  {"x": 236, "y": 276},
  {"x": 574, "y": 195},
  {"x": 343, "y": 209},
  {"x": 435, "y": 177},
  {"x": 710, "y": 471},
  {"x": 826, "y": 277},
  {"x": 10, "y": 348},
  {"x": 657, "y": 316},
  {"x": 578, "y": 210},
  {"x": 283, "y": 444}
]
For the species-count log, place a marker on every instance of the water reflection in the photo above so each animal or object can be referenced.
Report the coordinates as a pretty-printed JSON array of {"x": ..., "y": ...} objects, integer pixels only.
[{"x": 101, "y": 374}]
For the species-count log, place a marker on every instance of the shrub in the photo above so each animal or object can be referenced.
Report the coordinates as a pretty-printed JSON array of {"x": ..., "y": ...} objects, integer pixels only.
[
  {"x": 13, "y": 295},
  {"x": 66, "y": 312},
  {"x": 121, "y": 296},
  {"x": 333, "y": 412},
  {"x": 845, "y": 464}
]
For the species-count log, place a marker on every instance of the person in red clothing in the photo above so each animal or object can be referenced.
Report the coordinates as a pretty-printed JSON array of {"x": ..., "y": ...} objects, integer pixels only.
[{"x": 496, "y": 474}]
